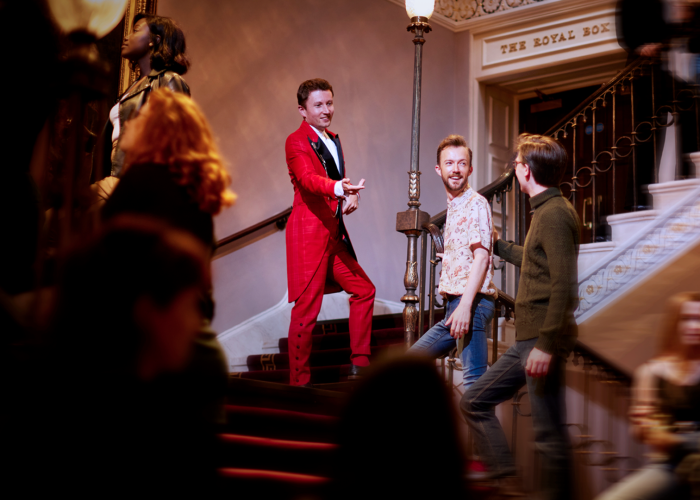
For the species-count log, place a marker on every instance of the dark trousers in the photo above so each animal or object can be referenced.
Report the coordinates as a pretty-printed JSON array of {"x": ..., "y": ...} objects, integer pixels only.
[{"x": 546, "y": 394}]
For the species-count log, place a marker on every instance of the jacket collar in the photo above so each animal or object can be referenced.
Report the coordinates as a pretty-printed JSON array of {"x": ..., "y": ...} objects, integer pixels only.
[
  {"x": 309, "y": 130},
  {"x": 155, "y": 73},
  {"x": 545, "y": 195}
]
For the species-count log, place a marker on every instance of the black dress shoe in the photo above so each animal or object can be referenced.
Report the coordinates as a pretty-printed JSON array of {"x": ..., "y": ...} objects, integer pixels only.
[{"x": 355, "y": 372}]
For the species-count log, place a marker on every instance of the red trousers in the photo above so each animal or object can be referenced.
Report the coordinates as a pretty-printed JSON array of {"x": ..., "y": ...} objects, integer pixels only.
[{"x": 337, "y": 265}]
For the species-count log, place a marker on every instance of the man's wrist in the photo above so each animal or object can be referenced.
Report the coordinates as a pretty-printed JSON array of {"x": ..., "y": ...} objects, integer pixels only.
[{"x": 338, "y": 189}]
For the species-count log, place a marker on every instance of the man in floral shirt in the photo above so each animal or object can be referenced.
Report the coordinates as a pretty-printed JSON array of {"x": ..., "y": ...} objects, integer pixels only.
[{"x": 466, "y": 278}]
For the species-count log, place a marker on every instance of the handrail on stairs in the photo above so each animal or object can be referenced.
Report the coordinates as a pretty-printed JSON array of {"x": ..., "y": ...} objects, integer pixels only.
[{"x": 280, "y": 220}]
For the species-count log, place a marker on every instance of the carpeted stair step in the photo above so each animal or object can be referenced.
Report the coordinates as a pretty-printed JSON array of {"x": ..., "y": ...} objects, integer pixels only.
[
  {"x": 263, "y": 394},
  {"x": 301, "y": 457},
  {"x": 328, "y": 357},
  {"x": 252, "y": 483},
  {"x": 342, "y": 326},
  {"x": 386, "y": 336},
  {"x": 279, "y": 424},
  {"x": 319, "y": 374}
]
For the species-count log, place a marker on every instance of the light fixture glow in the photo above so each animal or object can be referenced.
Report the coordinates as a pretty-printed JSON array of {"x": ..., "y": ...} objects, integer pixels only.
[
  {"x": 420, "y": 8},
  {"x": 97, "y": 17}
]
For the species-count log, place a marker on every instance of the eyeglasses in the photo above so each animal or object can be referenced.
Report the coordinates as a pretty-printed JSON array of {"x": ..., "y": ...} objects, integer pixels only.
[{"x": 516, "y": 163}]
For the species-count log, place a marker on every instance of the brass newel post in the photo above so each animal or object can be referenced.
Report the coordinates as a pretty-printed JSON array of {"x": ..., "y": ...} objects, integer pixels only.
[{"x": 411, "y": 221}]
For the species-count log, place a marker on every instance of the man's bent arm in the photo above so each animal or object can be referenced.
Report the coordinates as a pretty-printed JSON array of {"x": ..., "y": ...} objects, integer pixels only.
[
  {"x": 461, "y": 317},
  {"x": 301, "y": 164},
  {"x": 509, "y": 251}
]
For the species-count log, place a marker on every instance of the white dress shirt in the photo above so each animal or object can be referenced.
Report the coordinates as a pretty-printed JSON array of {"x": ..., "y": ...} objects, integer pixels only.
[{"x": 338, "y": 189}]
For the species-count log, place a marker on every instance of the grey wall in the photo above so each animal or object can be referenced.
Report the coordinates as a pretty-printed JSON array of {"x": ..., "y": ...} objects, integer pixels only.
[{"x": 248, "y": 60}]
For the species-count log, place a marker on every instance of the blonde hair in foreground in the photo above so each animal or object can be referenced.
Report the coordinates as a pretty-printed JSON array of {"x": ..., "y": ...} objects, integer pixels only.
[
  {"x": 670, "y": 342},
  {"x": 177, "y": 133}
]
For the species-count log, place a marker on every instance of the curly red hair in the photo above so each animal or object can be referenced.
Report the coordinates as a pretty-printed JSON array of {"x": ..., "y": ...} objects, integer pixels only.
[{"x": 176, "y": 133}]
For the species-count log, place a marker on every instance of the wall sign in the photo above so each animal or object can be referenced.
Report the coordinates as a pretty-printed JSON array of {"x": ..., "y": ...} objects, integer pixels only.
[{"x": 541, "y": 40}]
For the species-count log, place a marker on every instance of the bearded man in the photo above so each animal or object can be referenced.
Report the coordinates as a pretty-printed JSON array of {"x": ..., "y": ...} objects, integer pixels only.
[{"x": 466, "y": 279}]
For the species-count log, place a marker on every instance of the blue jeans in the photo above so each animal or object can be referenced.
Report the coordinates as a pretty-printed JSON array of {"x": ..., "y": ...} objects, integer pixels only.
[
  {"x": 546, "y": 395},
  {"x": 437, "y": 341}
]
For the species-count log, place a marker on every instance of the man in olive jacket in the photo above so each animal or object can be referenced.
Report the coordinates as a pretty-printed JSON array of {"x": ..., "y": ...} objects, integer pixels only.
[{"x": 544, "y": 323}]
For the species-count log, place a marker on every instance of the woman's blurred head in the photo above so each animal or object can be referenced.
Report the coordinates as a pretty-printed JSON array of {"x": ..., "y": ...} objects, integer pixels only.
[
  {"x": 171, "y": 129},
  {"x": 162, "y": 38},
  {"x": 130, "y": 297},
  {"x": 681, "y": 332}
]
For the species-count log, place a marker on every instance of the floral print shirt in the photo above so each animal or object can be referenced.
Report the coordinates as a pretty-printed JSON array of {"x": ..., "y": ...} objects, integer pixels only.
[{"x": 468, "y": 223}]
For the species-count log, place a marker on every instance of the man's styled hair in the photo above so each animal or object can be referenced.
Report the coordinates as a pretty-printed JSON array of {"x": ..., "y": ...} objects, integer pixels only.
[
  {"x": 546, "y": 157},
  {"x": 309, "y": 86},
  {"x": 453, "y": 141}
]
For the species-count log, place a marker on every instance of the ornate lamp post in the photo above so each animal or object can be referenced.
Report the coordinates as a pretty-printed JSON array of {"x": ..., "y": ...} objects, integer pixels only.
[
  {"x": 411, "y": 221},
  {"x": 85, "y": 79}
]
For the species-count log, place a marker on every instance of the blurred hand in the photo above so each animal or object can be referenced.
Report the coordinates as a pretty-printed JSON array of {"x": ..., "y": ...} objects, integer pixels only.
[
  {"x": 350, "y": 204},
  {"x": 538, "y": 363},
  {"x": 349, "y": 189},
  {"x": 649, "y": 50}
]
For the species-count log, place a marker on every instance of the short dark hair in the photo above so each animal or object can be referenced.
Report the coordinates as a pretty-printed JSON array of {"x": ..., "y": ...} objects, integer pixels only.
[
  {"x": 453, "y": 141},
  {"x": 546, "y": 157},
  {"x": 169, "y": 53},
  {"x": 309, "y": 86}
]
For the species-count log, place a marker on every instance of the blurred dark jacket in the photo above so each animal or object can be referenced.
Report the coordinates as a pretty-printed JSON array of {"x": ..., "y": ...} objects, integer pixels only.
[
  {"x": 135, "y": 99},
  {"x": 640, "y": 22}
]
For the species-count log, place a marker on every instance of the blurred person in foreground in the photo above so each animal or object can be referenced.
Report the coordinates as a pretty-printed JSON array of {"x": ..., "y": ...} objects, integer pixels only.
[
  {"x": 544, "y": 322},
  {"x": 381, "y": 455},
  {"x": 156, "y": 46},
  {"x": 466, "y": 281},
  {"x": 118, "y": 424},
  {"x": 665, "y": 410},
  {"x": 173, "y": 168},
  {"x": 174, "y": 172}
]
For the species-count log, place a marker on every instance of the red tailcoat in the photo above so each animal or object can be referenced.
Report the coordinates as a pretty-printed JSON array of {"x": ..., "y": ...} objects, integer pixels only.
[{"x": 313, "y": 220}]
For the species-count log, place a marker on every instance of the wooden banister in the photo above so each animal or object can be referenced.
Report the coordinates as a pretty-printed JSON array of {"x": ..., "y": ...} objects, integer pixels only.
[{"x": 280, "y": 220}]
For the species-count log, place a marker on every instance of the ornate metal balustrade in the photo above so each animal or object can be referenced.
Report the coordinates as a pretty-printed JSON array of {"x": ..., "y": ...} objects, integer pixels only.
[{"x": 631, "y": 132}]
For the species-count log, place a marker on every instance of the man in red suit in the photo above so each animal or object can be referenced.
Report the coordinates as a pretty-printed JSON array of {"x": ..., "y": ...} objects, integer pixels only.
[{"x": 320, "y": 257}]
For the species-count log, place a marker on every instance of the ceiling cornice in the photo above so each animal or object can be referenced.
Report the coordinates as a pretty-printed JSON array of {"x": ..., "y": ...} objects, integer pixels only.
[{"x": 463, "y": 15}]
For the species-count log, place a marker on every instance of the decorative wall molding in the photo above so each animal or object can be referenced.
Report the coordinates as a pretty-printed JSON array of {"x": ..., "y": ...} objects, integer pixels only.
[
  {"x": 464, "y": 10},
  {"x": 677, "y": 230},
  {"x": 459, "y": 15}
]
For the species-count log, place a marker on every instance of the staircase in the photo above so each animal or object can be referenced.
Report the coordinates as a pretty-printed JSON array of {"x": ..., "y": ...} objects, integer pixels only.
[
  {"x": 330, "y": 354},
  {"x": 279, "y": 441}
]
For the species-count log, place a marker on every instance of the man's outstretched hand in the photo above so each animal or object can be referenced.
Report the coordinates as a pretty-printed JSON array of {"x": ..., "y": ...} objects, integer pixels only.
[{"x": 349, "y": 189}]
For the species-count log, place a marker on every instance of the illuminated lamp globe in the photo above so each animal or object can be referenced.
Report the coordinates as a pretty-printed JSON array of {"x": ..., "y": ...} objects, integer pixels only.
[
  {"x": 420, "y": 8},
  {"x": 96, "y": 17}
]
